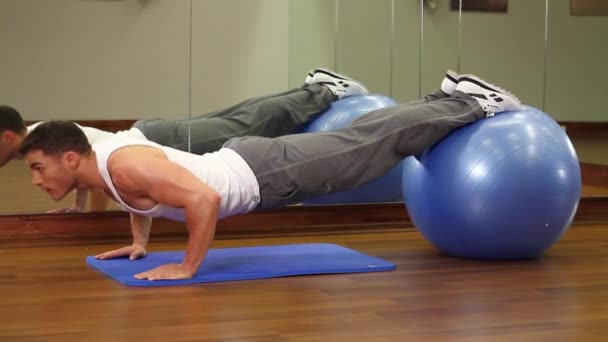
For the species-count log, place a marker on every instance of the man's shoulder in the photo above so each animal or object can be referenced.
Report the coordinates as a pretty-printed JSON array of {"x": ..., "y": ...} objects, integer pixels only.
[{"x": 132, "y": 155}]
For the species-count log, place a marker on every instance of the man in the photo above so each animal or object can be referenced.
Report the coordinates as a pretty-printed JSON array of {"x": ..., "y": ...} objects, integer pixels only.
[
  {"x": 248, "y": 173},
  {"x": 266, "y": 116}
]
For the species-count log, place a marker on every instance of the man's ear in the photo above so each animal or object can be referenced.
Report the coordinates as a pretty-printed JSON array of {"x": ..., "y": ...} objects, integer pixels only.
[
  {"x": 71, "y": 159},
  {"x": 8, "y": 137}
]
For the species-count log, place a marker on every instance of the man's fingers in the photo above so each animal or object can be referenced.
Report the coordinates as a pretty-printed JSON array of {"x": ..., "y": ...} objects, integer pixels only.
[
  {"x": 135, "y": 255},
  {"x": 101, "y": 256},
  {"x": 112, "y": 254},
  {"x": 144, "y": 275}
]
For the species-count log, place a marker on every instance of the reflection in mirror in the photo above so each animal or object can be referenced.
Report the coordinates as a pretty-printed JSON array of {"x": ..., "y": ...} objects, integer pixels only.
[
  {"x": 406, "y": 38},
  {"x": 377, "y": 43},
  {"x": 312, "y": 37},
  {"x": 104, "y": 61},
  {"x": 239, "y": 51},
  {"x": 363, "y": 45},
  {"x": 440, "y": 43},
  {"x": 507, "y": 48},
  {"x": 576, "y": 74},
  {"x": 166, "y": 59}
]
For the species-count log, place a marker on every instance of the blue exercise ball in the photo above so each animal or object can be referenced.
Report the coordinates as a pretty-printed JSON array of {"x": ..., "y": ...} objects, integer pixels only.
[
  {"x": 341, "y": 114},
  {"x": 505, "y": 187}
]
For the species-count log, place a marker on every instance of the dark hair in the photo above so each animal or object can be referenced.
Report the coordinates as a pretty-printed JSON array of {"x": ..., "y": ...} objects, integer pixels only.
[
  {"x": 56, "y": 137},
  {"x": 11, "y": 120}
]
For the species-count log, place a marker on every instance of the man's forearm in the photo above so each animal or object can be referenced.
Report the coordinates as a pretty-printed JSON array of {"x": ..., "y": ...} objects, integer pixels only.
[
  {"x": 81, "y": 198},
  {"x": 140, "y": 228},
  {"x": 201, "y": 228}
]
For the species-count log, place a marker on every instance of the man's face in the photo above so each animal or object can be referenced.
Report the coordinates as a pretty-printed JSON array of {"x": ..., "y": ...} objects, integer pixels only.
[{"x": 53, "y": 174}]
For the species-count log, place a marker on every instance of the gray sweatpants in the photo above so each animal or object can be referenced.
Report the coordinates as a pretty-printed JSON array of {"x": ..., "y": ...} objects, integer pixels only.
[
  {"x": 294, "y": 168},
  {"x": 265, "y": 116}
]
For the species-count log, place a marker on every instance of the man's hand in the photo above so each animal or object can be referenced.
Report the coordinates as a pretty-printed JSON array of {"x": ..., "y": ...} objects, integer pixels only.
[
  {"x": 166, "y": 272},
  {"x": 134, "y": 252}
]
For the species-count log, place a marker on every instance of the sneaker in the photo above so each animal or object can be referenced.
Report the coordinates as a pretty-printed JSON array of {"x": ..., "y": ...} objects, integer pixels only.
[
  {"x": 341, "y": 86},
  {"x": 450, "y": 81},
  {"x": 308, "y": 79},
  {"x": 311, "y": 74},
  {"x": 491, "y": 98}
]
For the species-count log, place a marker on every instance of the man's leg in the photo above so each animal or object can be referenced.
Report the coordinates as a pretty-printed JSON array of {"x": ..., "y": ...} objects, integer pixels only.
[
  {"x": 433, "y": 96},
  {"x": 269, "y": 116},
  {"x": 227, "y": 112},
  {"x": 319, "y": 75},
  {"x": 294, "y": 168},
  {"x": 448, "y": 85},
  {"x": 272, "y": 117}
]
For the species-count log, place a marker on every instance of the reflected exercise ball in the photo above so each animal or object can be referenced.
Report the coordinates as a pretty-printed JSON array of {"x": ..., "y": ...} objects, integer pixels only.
[{"x": 341, "y": 114}]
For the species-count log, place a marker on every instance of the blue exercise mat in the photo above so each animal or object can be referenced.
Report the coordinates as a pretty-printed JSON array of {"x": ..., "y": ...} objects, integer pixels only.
[{"x": 226, "y": 264}]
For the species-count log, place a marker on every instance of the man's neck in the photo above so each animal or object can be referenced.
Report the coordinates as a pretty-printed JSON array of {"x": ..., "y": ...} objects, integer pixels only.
[{"x": 88, "y": 175}]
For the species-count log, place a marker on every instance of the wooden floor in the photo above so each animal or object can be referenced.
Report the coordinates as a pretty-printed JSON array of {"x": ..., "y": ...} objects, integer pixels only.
[{"x": 50, "y": 294}]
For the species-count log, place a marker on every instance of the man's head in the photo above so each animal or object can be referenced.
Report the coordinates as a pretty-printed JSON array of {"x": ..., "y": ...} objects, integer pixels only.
[
  {"x": 12, "y": 132},
  {"x": 54, "y": 150}
]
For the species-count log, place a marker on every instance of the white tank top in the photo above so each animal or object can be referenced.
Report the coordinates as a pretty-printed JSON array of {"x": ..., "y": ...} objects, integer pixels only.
[
  {"x": 225, "y": 171},
  {"x": 95, "y": 135}
]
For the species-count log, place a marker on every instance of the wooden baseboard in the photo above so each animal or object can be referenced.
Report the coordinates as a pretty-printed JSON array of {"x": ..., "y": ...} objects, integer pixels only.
[
  {"x": 53, "y": 229},
  {"x": 586, "y": 130},
  {"x": 70, "y": 229},
  {"x": 594, "y": 174}
]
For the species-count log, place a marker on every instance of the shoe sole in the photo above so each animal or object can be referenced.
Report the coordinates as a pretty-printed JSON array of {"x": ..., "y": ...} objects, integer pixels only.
[
  {"x": 487, "y": 85},
  {"x": 362, "y": 89},
  {"x": 332, "y": 74},
  {"x": 352, "y": 83}
]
